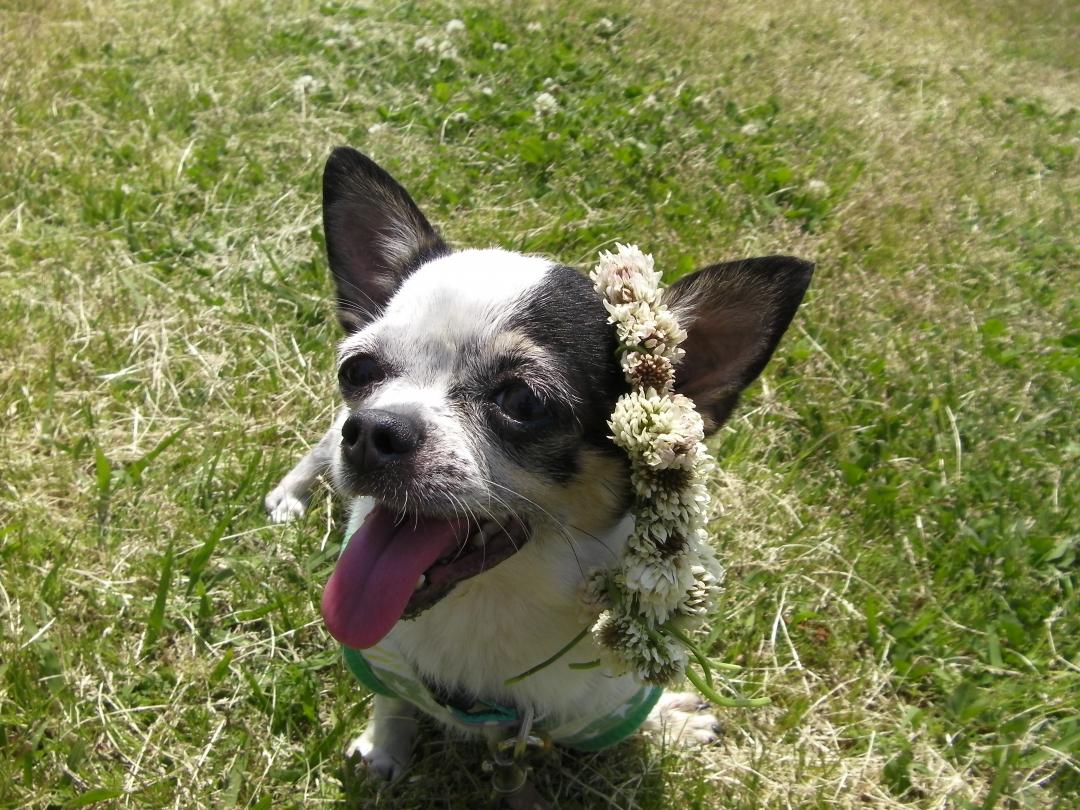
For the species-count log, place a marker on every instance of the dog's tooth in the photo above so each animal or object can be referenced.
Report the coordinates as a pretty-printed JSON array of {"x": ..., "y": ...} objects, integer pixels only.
[
  {"x": 478, "y": 540},
  {"x": 488, "y": 530},
  {"x": 421, "y": 582}
]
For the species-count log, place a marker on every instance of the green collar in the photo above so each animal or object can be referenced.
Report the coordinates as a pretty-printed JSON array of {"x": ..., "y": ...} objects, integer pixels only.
[{"x": 384, "y": 671}]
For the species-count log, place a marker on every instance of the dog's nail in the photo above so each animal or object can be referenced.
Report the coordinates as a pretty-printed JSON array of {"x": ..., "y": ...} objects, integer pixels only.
[{"x": 421, "y": 582}]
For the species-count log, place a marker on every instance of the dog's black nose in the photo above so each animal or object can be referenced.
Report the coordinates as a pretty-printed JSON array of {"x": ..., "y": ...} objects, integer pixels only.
[{"x": 372, "y": 439}]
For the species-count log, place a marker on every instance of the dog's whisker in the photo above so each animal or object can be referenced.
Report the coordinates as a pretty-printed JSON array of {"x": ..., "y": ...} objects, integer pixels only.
[{"x": 563, "y": 529}]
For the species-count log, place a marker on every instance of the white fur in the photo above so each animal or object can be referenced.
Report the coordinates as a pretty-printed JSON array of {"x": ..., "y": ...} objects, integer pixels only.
[
  {"x": 451, "y": 301},
  {"x": 386, "y": 745},
  {"x": 444, "y": 310},
  {"x": 503, "y": 622},
  {"x": 684, "y": 719}
]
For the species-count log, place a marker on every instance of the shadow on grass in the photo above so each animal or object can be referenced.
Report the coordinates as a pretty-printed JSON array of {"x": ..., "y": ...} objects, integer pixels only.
[{"x": 447, "y": 772}]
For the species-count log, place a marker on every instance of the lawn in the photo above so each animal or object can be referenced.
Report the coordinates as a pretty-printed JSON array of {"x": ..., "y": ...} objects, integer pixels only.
[{"x": 899, "y": 495}]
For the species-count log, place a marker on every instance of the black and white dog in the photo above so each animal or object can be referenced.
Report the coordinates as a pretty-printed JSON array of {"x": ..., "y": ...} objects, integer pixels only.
[{"x": 473, "y": 451}]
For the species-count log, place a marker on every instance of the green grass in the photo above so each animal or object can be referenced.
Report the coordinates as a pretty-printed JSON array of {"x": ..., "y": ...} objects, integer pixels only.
[{"x": 899, "y": 493}]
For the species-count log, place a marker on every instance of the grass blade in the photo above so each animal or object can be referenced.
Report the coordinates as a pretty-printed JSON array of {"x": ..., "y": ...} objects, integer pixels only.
[
  {"x": 133, "y": 471},
  {"x": 201, "y": 557},
  {"x": 157, "y": 612}
]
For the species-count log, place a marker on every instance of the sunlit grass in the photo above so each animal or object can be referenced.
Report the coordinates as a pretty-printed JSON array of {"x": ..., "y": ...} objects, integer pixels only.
[{"x": 899, "y": 492}]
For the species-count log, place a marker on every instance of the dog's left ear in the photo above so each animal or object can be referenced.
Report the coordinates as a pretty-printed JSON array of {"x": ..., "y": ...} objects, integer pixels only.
[
  {"x": 375, "y": 235},
  {"x": 734, "y": 315}
]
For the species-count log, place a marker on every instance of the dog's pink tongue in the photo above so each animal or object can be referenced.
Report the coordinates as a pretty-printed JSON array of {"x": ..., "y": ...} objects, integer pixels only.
[{"x": 377, "y": 572}]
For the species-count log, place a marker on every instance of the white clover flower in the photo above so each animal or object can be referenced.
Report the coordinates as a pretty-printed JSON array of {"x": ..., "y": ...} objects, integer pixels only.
[
  {"x": 593, "y": 591},
  {"x": 306, "y": 84},
  {"x": 442, "y": 48},
  {"x": 545, "y": 104},
  {"x": 652, "y": 656},
  {"x": 660, "y": 584},
  {"x": 607, "y": 634},
  {"x": 446, "y": 51},
  {"x": 499, "y": 46},
  {"x": 644, "y": 370},
  {"x": 669, "y": 334},
  {"x": 625, "y": 276},
  {"x": 624, "y": 283},
  {"x": 817, "y": 188},
  {"x": 751, "y": 129},
  {"x": 375, "y": 129},
  {"x": 662, "y": 431},
  {"x": 534, "y": 27},
  {"x": 654, "y": 535},
  {"x": 647, "y": 327},
  {"x": 683, "y": 508},
  {"x": 708, "y": 576},
  {"x": 455, "y": 25}
]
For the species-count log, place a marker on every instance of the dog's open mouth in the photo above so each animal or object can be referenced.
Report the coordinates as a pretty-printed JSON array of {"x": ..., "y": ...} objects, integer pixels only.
[{"x": 396, "y": 567}]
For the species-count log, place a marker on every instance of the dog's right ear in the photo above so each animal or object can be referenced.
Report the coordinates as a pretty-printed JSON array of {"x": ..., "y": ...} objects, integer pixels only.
[
  {"x": 375, "y": 235},
  {"x": 734, "y": 315}
]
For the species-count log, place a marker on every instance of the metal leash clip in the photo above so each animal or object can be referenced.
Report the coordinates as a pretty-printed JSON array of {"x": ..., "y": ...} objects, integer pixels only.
[{"x": 508, "y": 772}]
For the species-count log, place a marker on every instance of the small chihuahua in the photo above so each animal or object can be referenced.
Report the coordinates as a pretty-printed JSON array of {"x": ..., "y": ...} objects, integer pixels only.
[{"x": 483, "y": 487}]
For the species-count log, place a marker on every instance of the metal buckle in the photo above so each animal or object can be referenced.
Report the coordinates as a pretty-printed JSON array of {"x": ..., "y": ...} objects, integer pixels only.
[{"x": 508, "y": 773}]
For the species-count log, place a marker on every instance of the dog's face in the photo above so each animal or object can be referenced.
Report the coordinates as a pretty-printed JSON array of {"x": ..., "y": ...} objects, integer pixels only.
[{"x": 478, "y": 385}]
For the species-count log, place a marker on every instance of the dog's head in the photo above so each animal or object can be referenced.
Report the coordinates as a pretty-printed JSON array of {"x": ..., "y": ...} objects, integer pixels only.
[{"x": 478, "y": 385}]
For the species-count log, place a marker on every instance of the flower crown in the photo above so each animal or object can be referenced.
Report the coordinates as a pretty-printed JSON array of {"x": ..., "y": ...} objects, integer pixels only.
[
  {"x": 666, "y": 579},
  {"x": 651, "y": 604}
]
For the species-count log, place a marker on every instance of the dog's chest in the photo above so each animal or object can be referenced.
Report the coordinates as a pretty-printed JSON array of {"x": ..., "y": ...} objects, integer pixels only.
[{"x": 494, "y": 627}]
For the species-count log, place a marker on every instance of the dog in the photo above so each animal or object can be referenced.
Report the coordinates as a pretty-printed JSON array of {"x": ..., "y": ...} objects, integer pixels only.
[{"x": 473, "y": 452}]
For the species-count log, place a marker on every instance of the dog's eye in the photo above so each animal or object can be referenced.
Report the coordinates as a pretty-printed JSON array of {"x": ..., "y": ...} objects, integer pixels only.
[
  {"x": 521, "y": 403},
  {"x": 359, "y": 372}
]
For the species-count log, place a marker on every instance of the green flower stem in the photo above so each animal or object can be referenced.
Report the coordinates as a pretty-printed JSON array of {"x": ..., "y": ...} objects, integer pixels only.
[
  {"x": 703, "y": 662},
  {"x": 547, "y": 661},
  {"x": 715, "y": 697},
  {"x": 724, "y": 666},
  {"x": 586, "y": 664}
]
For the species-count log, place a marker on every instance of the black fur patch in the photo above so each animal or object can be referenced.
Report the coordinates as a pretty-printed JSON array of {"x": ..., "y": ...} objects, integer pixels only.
[
  {"x": 735, "y": 314},
  {"x": 565, "y": 316}
]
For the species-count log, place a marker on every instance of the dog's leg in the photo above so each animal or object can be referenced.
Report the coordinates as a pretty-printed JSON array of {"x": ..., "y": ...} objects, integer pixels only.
[
  {"x": 683, "y": 719},
  {"x": 386, "y": 744},
  {"x": 288, "y": 500}
]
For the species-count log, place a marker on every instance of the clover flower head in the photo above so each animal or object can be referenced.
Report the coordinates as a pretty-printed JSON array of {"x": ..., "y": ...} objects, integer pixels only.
[
  {"x": 306, "y": 84},
  {"x": 626, "y": 275},
  {"x": 545, "y": 104},
  {"x": 648, "y": 328},
  {"x": 661, "y": 431},
  {"x": 636, "y": 647},
  {"x": 645, "y": 370},
  {"x": 659, "y": 584}
]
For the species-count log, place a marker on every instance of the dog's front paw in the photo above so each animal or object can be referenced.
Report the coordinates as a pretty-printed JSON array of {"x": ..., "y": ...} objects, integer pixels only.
[
  {"x": 683, "y": 719},
  {"x": 282, "y": 506},
  {"x": 387, "y": 763}
]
